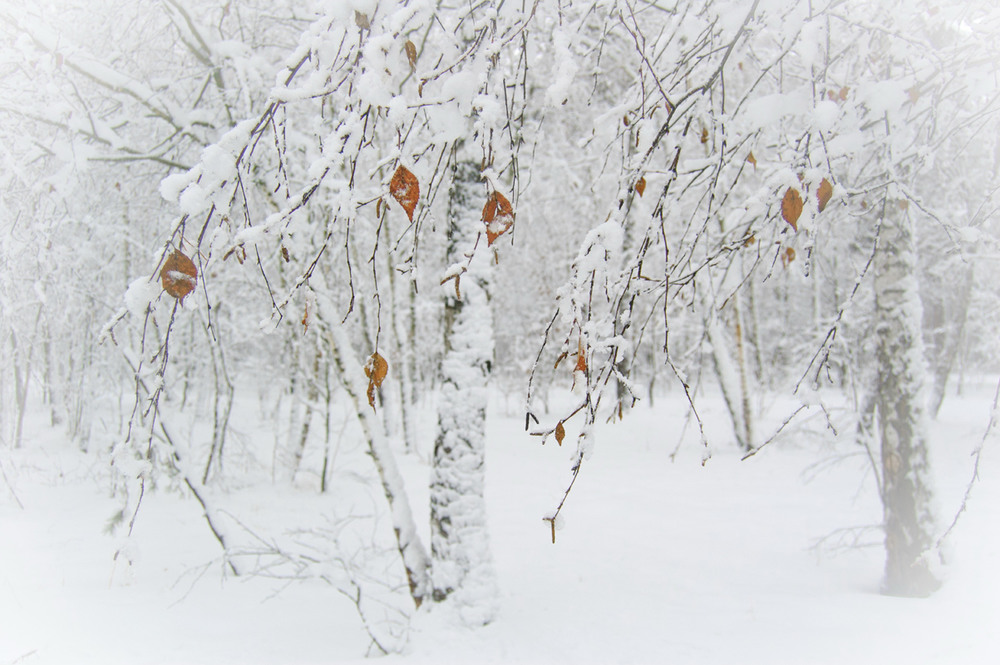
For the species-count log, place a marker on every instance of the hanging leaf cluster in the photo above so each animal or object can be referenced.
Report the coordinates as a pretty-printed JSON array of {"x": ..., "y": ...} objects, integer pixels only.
[
  {"x": 179, "y": 275},
  {"x": 498, "y": 215},
  {"x": 791, "y": 202},
  {"x": 376, "y": 369}
]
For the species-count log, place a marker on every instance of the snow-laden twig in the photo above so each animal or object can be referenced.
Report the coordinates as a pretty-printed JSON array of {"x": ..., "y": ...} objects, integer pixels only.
[{"x": 977, "y": 455}]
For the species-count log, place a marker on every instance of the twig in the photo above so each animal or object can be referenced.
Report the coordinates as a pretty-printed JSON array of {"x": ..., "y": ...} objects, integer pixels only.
[
  {"x": 11, "y": 488},
  {"x": 776, "y": 433},
  {"x": 978, "y": 454}
]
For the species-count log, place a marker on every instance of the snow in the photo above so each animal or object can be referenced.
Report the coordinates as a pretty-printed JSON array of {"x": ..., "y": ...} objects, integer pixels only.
[
  {"x": 769, "y": 109},
  {"x": 140, "y": 293},
  {"x": 659, "y": 560},
  {"x": 564, "y": 70}
]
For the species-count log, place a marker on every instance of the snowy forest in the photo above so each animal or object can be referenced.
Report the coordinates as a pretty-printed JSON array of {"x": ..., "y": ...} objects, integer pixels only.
[{"x": 499, "y": 331}]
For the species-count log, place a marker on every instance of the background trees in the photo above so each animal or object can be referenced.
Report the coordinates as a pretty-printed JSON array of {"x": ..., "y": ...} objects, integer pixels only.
[{"x": 700, "y": 194}]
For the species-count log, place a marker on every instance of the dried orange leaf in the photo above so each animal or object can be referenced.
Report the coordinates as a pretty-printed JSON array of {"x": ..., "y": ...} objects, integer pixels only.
[
  {"x": 376, "y": 369},
  {"x": 791, "y": 207},
  {"x": 823, "y": 193},
  {"x": 178, "y": 275},
  {"x": 787, "y": 256},
  {"x": 284, "y": 254},
  {"x": 411, "y": 53},
  {"x": 752, "y": 160},
  {"x": 362, "y": 20},
  {"x": 405, "y": 189},
  {"x": 498, "y": 216},
  {"x": 581, "y": 360},
  {"x": 704, "y": 135},
  {"x": 560, "y": 433},
  {"x": 640, "y": 186}
]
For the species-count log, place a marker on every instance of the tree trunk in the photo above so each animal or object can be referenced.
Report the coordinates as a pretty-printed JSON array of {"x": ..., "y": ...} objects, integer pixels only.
[
  {"x": 731, "y": 380},
  {"x": 949, "y": 341},
  {"x": 462, "y": 568},
  {"x": 906, "y": 495},
  {"x": 411, "y": 549}
]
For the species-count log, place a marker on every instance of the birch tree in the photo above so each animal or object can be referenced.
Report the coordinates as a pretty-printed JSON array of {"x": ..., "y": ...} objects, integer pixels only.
[{"x": 690, "y": 165}]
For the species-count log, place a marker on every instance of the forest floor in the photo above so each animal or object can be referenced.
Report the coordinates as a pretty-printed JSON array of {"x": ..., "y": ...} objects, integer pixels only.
[{"x": 775, "y": 559}]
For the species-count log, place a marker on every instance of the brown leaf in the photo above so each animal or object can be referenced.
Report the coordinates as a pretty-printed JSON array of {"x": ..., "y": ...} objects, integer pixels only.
[
  {"x": 561, "y": 358},
  {"x": 823, "y": 193},
  {"x": 284, "y": 254},
  {"x": 704, "y": 135},
  {"x": 411, "y": 53},
  {"x": 376, "y": 369},
  {"x": 178, "y": 275},
  {"x": 498, "y": 216},
  {"x": 787, "y": 256},
  {"x": 640, "y": 186},
  {"x": 749, "y": 240},
  {"x": 752, "y": 160},
  {"x": 362, "y": 20},
  {"x": 560, "y": 433},
  {"x": 903, "y": 204},
  {"x": 405, "y": 189},
  {"x": 581, "y": 360},
  {"x": 305, "y": 318},
  {"x": 791, "y": 207},
  {"x": 842, "y": 95}
]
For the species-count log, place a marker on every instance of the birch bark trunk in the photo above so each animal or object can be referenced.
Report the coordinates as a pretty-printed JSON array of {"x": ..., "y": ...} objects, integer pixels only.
[
  {"x": 462, "y": 562},
  {"x": 900, "y": 406}
]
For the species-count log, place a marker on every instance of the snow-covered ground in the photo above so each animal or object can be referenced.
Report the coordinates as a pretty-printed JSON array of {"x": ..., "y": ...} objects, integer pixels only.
[{"x": 661, "y": 560}]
